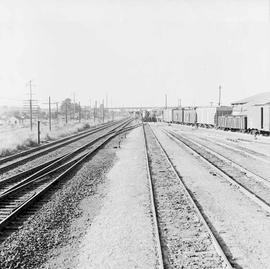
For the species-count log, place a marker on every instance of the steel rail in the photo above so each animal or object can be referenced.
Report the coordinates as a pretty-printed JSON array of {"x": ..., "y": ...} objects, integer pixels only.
[
  {"x": 215, "y": 241},
  {"x": 34, "y": 197},
  {"x": 53, "y": 166},
  {"x": 40, "y": 167},
  {"x": 153, "y": 203},
  {"x": 32, "y": 150},
  {"x": 45, "y": 150},
  {"x": 232, "y": 163},
  {"x": 30, "y": 171},
  {"x": 245, "y": 190},
  {"x": 27, "y": 172},
  {"x": 243, "y": 150}
]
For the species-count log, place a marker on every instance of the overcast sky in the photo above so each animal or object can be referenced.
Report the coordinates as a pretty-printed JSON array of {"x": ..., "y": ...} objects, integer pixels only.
[{"x": 135, "y": 51}]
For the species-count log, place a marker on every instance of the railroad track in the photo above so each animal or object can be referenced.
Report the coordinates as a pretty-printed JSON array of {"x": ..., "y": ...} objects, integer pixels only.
[
  {"x": 12, "y": 161},
  {"x": 50, "y": 166},
  {"x": 239, "y": 149},
  {"x": 253, "y": 186},
  {"x": 185, "y": 239},
  {"x": 222, "y": 145},
  {"x": 18, "y": 196}
]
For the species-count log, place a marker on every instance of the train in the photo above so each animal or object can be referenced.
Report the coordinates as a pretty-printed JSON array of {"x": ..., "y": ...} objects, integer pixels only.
[
  {"x": 199, "y": 116},
  {"x": 252, "y": 119},
  {"x": 149, "y": 116}
]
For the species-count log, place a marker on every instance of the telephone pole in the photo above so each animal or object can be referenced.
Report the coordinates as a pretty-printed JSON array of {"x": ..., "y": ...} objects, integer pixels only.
[
  {"x": 103, "y": 110},
  {"x": 50, "y": 115},
  {"x": 74, "y": 106},
  {"x": 30, "y": 105},
  {"x": 90, "y": 109},
  {"x": 57, "y": 110},
  {"x": 79, "y": 112},
  {"x": 165, "y": 101},
  {"x": 50, "y": 112},
  {"x": 95, "y": 107},
  {"x": 179, "y": 102},
  {"x": 219, "y": 95},
  {"x": 66, "y": 113}
]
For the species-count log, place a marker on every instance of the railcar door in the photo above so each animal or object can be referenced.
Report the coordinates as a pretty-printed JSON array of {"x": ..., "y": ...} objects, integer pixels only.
[{"x": 245, "y": 122}]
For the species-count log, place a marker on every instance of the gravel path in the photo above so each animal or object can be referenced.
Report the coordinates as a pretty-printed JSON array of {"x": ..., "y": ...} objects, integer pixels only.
[
  {"x": 51, "y": 226},
  {"x": 122, "y": 235},
  {"x": 242, "y": 226}
]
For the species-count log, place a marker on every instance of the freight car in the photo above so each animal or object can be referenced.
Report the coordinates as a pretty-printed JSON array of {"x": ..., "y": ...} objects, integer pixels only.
[
  {"x": 149, "y": 116},
  {"x": 190, "y": 116},
  {"x": 208, "y": 116},
  {"x": 247, "y": 115},
  {"x": 256, "y": 120},
  {"x": 233, "y": 122},
  {"x": 259, "y": 118},
  {"x": 167, "y": 115},
  {"x": 178, "y": 115}
]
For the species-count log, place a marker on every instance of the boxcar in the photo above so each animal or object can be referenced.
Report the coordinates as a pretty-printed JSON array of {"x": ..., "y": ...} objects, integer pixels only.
[
  {"x": 230, "y": 122},
  {"x": 178, "y": 115},
  {"x": 167, "y": 115},
  {"x": 259, "y": 118},
  {"x": 208, "y": 116},
  {"x": 190, "y": 116}
]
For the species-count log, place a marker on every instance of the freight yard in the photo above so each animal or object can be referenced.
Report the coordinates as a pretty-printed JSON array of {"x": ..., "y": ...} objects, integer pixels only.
[
  {"x": 191, "y": 197},
  {"x": 134, "y": 134}
]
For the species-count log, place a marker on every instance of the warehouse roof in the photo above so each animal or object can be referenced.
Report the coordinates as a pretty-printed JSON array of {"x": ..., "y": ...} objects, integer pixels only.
[{"x": 257, "y": 99}]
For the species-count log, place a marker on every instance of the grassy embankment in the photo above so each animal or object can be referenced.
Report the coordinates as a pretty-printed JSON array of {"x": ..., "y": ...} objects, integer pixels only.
[{"x": 15, "y": 139}]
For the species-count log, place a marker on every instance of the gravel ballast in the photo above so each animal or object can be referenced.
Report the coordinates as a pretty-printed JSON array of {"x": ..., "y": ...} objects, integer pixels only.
[
  {"x": 49, "y": 227},
  {"x": 241, "y": 225},
  {"x": 185, "y": 239},
  {"x": 123, "y": 235}
]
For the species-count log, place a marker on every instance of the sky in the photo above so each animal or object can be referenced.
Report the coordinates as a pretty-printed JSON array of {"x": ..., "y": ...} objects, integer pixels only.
[{"x": 134, "y": 51}]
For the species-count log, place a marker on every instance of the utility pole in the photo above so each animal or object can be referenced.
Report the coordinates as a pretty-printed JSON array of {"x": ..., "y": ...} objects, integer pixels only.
[
  {"x": 103, "y": 110},
  {"x": 85, "y": 113},
  {"x": 179, "y": 102},
  {"x": 31, "y": 108},
  {"x": 106, "y": 105},
  {"x": 112, "y": 109},
  {"x": 165, "y": 101},
  {"x": 50, "y": 115},
  {"x": 74, "y": 106},
  {"x": 79, "y": 112},
  {"x": 66, "y": 113},
  {"x": 219, "y": 95},
  {"x": 50, "y": 111},
  {"x": 90, "y": 110},
  {"x": 30, "y": 105},
  {"x": 56, "y": 110},
  {"x": 38, "y": 132},
  {"x": 95, "y": 107}
]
